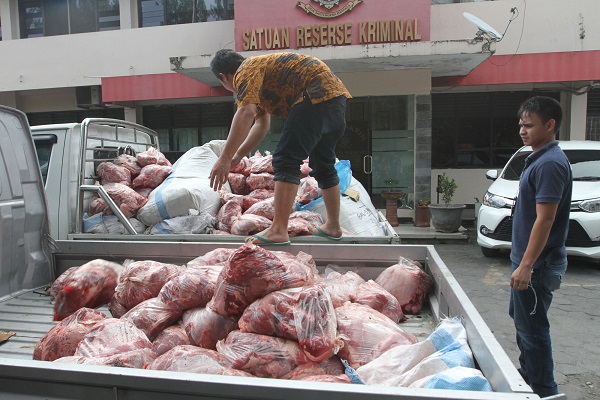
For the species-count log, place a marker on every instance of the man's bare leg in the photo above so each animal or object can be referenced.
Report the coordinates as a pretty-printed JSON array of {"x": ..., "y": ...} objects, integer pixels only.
[
  {"x": 285, "y": 194},
  {"x": 331, "y": 197}
]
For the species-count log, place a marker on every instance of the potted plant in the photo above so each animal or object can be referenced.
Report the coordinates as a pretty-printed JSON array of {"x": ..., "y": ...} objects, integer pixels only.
[
  {"x": 391, "y": 196},
  {"x": 422, "y": 214},
  {"x": 446, "y": 217}
]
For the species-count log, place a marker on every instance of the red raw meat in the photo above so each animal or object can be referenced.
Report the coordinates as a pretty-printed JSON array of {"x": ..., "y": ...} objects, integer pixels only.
[
  {"x": 305, "y": 169},
  {"x": 316, "y": 323},
  {"x": 62, "y": 339},
  {"x": 139, "y": 358},
  {"x": 192, "y": 288},
  {"x": 373, "y": 295},
  {"x": 260, "y": 355},
  {"x": 127, "y": 199},
  {"x": 144, "y": 191},
  {"x": 263, "y": 180},
  {"x": 247, "y": 201},
  {"x": 58, "y": 282},
  {"x": 98, "y": 205},
  {"x": 243, "y": 167},
  {"x": 408, "y": 283},
  {"x": 142, "y": 280},
  {"x": 262, "y": 164},
  {"x": 152, "y": 156},
  {"x": 308, "y": 190},
  {"x": 151, "y": 176},
  {"x": 117, "y": 310},
  {"x": 264, "y": 208},
  {"x": 188, "y": 358},
  {"x": 91, "y": 285},
  {"x": 110, "y": 172},
  {"x": 110, "y": 337},
  {"x": 330, "y": 366},
  {"x": 300, "y": 227},
  {"x": 169, "y": 338},
  {"x": 341, "y": 286},
  {"x": 205, "y": 327},
  {"x": 229, "y": 213},
  {"x": 367, "y": 334},
  {"x": 312, "y": 217},
  {"x": 253, "y": 272},
  {"x": 214, "y": 257},
  {"x": 152, "y": 316},
  {"x": 261, "y": 194},
  {"x": 342, "y": 378},
  {"x": 129, "y": 163},
  {"x": 248, "y": 224},
  {"x": 238, "y": 183}
]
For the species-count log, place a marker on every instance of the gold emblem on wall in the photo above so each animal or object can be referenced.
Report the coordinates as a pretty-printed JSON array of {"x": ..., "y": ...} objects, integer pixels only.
[{"x": 328, "y": 5}]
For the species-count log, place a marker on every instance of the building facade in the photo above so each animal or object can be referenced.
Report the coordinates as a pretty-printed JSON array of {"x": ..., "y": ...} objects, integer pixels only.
[{"x": 430, "y": 94}]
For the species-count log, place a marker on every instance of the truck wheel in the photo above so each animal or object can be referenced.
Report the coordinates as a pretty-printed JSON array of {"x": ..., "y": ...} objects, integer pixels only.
[{"x": 490, "y": 252}]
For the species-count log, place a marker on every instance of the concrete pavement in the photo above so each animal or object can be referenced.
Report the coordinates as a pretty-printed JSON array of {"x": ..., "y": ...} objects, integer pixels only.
[{"x": 574, "y": 314}]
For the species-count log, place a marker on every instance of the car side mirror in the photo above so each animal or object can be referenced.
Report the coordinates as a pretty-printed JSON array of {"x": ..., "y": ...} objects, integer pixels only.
[{"x": 492, "y": 174}]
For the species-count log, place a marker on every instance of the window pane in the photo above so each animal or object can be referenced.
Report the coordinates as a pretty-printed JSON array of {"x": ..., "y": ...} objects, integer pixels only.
[
  {"x": 185, "y": 138},
  {"x": 44, "y": 150},
  {"x": 179, "y": 11},
  {"x": 163, "y": 139},
  {"x": 56, "y": 21},
  {"x": 108, "y": 15},
  {"x": 82, "y": 14},
  {"x": 152, "y": 13},
  {"x": 213, "y": 10}
]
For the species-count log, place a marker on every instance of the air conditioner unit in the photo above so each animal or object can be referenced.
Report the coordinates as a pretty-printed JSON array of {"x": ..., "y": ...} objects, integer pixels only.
[{"x": 89, "y": 96}]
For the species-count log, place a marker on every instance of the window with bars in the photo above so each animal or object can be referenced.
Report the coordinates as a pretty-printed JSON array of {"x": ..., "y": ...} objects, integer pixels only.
[
  {"x": 62, "y": 17},
  {"x": 173, "y": 12},
  {"x": 476, "y": 130},
  {"x": 592, "y": 130}
]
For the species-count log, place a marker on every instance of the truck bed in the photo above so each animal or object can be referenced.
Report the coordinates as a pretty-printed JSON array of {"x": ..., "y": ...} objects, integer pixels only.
[{"x": 29, "y": 314}]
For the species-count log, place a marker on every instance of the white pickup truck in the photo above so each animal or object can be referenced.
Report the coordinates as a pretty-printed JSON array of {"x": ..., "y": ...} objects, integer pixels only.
[
  {"x": 68, "y": 155},
  {"x": 31, "y": 259}
]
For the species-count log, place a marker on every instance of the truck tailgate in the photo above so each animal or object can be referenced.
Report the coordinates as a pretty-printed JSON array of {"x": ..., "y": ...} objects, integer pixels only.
[{"x": 29, "y": 314}]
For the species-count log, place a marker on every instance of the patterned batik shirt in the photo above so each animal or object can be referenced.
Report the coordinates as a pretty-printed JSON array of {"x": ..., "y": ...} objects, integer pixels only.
[{"x": 275, "y": 82}]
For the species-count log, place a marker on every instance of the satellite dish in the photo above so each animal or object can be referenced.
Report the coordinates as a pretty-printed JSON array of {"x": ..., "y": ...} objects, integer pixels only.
[{"x": 484, "y": 28}]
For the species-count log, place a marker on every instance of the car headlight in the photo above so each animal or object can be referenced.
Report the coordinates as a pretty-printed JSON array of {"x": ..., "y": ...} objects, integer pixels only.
[
  {"x": 495, "y": 201},
  {"x": 592, "y": 205}
]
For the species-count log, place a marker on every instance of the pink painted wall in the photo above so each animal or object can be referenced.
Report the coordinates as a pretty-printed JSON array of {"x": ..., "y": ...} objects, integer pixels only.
[{"x": 253, "y": 14}]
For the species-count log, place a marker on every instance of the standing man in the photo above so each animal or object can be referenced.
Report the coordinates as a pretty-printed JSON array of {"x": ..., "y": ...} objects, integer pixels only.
[
  {"x": 303, "y": 89},
  {"x": 540, "y": 226}
]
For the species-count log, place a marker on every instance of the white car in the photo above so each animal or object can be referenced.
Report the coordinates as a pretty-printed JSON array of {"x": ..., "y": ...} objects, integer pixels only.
[{"x": 494, "y": 225}]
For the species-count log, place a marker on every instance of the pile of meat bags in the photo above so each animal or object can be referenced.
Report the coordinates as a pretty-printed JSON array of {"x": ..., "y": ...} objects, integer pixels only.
[{"x": 248, "y": 312}]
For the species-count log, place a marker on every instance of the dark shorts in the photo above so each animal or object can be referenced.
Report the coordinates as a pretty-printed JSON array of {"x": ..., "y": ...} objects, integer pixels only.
[{"x": 311, "y": 130}]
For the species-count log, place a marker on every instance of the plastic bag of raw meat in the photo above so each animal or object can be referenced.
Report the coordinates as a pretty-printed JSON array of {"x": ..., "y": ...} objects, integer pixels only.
[
  {"x": 110, "y": 337},
  {"x": 229, "y": 213},
  {"x": 367, "y": 333},
  {"x": 187, "y": 358},
  {"x": 142, "y": 280},
  {"x": 172, "y": 336},
  {"x": 262, "y": 164},
  {"x": 264, "y": 180},
  {"x": 300, "y": 227},
  {"x": 138, "y": 358},
  {"x": 408, "y": 283},
  {"x": 151, "y": 176},
  {"x": 315, "y": 321},
  {"x": 246, "y": 200},
  {"x": 130, "y": 163},
  {"x": 373, "y": 295},
  {"x": 238, "y": 183},
  {"x": 308, "y": 190},
  {"x": 261, "y": 194},
  {"x": 264, "y": 208},
  {"x": 152, "y": 156},
  {"x": 214, "y": 257},
  {"x": 340, "y": 285},
  {"x": 110, "y": 172},
  {"x": 261, "y": 355},
  {"x": 128, "y": 200},
  {"x": 58, "y": 282},
  {"x": 99, "y": 206},
  {"x": 62, "y": 339},
  {"x": 192, "y": 288},
  {"x": 330, "y": 366},
  {"x": 91, "y": 285},
  {"x": 152, "y": 316},
  {"x": 205, "y": 327},
  {"x": 243, "y": 167},
  {"x": 248, "y": 224},
  {"x": 253, "y": 272}
]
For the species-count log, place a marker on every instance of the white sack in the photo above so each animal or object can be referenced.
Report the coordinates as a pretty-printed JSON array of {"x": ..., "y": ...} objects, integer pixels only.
[{"x": 110, "y": 224}]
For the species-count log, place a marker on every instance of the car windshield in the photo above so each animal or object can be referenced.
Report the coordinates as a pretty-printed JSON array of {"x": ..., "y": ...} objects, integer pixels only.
[{"x": 585, "y": 165}]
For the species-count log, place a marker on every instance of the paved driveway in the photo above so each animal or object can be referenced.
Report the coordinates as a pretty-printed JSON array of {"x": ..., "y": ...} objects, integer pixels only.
[{"x": 574, "y": 314}]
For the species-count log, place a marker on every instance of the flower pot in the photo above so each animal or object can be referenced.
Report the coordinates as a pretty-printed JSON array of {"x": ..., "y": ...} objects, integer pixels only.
[
  {"x": 446, "y": 218},
  {"x": 422, "y": 216},
  {"x": 391, "y": 205}
]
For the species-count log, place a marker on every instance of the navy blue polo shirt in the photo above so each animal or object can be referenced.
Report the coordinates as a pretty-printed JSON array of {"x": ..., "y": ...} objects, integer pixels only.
[{"x": 547, "y": 178}]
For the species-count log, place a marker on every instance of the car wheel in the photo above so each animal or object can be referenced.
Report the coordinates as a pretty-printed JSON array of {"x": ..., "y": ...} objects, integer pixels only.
[{"x": 490, "y": 252}]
